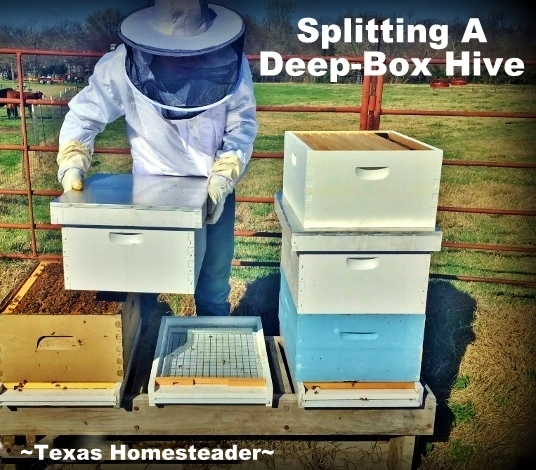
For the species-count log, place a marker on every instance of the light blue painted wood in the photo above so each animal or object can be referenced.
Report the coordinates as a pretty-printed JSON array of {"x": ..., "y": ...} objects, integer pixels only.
[{"x": 346, "y": 347}]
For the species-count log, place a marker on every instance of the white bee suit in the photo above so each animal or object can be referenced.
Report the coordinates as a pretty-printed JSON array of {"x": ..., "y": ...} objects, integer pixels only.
[
  {"x": 159, "y": 146},
  {"x": 183, "y": 84}
]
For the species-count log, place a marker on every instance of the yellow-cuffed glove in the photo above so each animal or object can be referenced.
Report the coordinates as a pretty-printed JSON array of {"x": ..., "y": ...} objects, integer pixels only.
[
  {"x": 73, "y": 178},
  {"x": 225, "y": 172},
  {"x": 74, "y": 159}
]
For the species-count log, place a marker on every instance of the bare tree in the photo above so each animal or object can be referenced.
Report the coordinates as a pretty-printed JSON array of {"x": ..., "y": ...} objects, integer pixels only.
[
  {"x": 101, "y": 29},
  {"x": 279, "y": 25}
]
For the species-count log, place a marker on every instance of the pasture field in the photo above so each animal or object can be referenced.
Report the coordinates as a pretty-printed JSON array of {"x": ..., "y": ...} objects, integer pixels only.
[{"x": 480, "y": 342}]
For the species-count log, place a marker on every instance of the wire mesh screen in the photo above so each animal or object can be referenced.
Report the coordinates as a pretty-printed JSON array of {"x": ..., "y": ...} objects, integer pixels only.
[{"x": 211, "y": 353}]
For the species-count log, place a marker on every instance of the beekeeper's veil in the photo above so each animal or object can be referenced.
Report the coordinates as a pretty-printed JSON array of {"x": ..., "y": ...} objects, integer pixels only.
[{"x": 183, "y": 55}]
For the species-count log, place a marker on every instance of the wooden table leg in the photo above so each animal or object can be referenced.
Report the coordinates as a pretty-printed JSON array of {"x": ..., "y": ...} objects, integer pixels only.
[{"x": 401, "y": 450}]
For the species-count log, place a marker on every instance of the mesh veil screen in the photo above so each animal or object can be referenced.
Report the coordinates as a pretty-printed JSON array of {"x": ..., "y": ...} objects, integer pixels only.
[{"x": 186, "y": 82}]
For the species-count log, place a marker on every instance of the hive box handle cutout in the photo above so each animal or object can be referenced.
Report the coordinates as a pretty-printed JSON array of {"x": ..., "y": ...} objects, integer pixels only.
[
  {"x": 56, "y": 343},
  {"x": 126, "y": 239},
  {"x": 362, "y": 264},
  {"x": 372, "y": 173},
  {"x": 359, "y": 336}
]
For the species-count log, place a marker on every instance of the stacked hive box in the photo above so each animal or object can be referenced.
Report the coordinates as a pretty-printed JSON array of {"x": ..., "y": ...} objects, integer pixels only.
[
  {"x": 358, "y": 212},
  {"x": 62, "y": 355}
]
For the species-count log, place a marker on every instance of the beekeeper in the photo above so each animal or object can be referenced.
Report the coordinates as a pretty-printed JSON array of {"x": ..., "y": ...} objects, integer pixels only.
[{"x": 183, "y": 84}]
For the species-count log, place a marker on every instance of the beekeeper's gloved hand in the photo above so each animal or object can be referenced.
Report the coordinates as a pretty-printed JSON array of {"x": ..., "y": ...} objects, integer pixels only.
[
  {"x": 225, "y": 172},
  {"x": 74, "y": 158},
  {"x": 73, "y": 178}
]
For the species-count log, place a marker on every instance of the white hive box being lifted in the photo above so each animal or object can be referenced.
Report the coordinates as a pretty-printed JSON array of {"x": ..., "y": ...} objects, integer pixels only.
[
  {"x": 133, "y": 233},
  {"x": 201, "y": 360},
  {"x": 361, "y": 179}
]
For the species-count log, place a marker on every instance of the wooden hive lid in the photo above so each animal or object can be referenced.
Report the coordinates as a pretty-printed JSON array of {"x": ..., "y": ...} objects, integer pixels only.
[{"x": 348, "y": 141}]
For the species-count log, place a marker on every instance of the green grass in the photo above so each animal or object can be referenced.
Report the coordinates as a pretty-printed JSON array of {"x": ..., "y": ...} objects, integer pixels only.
[
  {"x": 461, "y": 453},
  {"x": 463, "y": 412},
  {"x": 461, "y": 382},
  {"x": 307, "y": 95},
  {"x": 520, "y": 98},
  {"x": 10, "y": 161}
]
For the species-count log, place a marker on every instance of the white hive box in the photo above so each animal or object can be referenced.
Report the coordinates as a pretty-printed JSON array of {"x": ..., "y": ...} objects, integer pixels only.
[
  {"x": 201, "y": 360},
  {"x": 133, "y": 233},
  {"x": 349, "y": 272},
  {"x": 376, "y": 179}
]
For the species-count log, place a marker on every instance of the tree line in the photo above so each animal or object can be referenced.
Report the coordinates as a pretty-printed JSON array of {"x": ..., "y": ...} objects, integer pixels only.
[{"x": 275, "y": 30}]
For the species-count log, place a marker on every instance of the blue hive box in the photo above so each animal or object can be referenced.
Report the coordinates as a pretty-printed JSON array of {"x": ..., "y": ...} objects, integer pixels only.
[{"x": 350, "y": 347}]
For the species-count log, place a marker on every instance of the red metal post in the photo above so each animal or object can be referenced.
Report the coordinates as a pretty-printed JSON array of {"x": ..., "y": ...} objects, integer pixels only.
[
  {"x": 26, "y": 156},
  {"x": 378, "y": 103},
  {"x": 365, "y": 97},
  {"x": 371, "y": 102}
]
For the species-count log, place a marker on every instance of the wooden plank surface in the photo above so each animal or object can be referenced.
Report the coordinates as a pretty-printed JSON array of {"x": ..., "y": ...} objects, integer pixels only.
[
  {"x": 60, "y": 385},
  {"x": 368, "y": 453},
  {"x": 4, "y": 302},
  {"x": 284, "y": 419},
  {"x": 24, "y": 288},
  {"x": 280, "y": 376},
  {"x": 91, "y": 350},
  {"x": 401, "y": 452},
  {"x": 407, "y": 143}
]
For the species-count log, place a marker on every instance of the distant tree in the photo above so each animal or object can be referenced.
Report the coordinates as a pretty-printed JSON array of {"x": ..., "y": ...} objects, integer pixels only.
[
  {"x": 256, "y": 35},
  {"x": 101, "y": 29},
  {"x": 279, "y": 25}
]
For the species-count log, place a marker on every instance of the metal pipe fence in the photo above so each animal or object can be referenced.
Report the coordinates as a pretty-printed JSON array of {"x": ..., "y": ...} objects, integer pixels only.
[{"x": 370, "y": 111}]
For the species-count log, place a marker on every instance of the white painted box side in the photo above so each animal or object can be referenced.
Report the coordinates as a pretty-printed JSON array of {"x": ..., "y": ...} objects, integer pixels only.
[
  {"x": 294, "y": 172},
  {"x": 129, "y": 260},
  {"x": 356, "y": 282},
  {"x": 125, "y": 200},
  {"x": 126, "y": 217},
  {"x": 333, "y": 240},
  {"x": 365, "y": 398},
  {"x": 357, "y": 188},
  {"x": 75, "y": 398}
]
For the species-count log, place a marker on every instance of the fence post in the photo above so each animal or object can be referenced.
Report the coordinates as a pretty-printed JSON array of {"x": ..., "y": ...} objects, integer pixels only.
[
  {"x": 365, "y": 97},
  {"x": 371, "y": 102},
  {"x": 25, "y": 156},
  {"x": 378, "y": 103}
]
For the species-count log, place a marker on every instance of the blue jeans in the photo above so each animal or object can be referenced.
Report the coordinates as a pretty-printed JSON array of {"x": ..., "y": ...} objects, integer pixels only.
[{"x": 213, "y": 286}]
